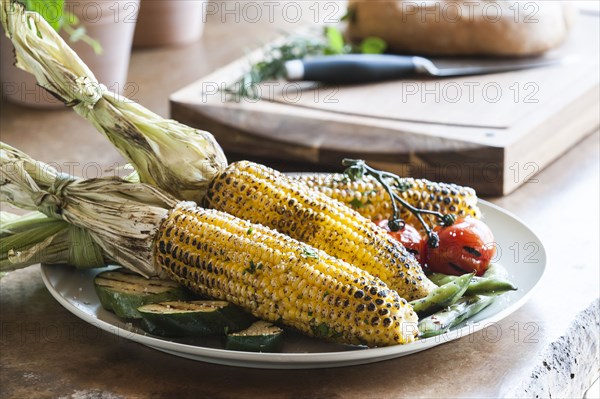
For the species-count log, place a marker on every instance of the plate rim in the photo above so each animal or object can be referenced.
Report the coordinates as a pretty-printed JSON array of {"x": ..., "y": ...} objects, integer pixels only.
[{"x": 302, "y": 360}]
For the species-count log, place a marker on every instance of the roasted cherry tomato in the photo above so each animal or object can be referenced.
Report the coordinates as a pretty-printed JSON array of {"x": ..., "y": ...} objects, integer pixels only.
[
  {"x": 409, "y": 237},
  {"x": 466, "y": 246}
]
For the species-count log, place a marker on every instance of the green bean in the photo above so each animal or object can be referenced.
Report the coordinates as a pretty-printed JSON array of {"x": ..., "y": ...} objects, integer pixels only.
[
  {"x": 442, "y": 296},
  {"x": 441, "y": 279},
  {"x": 496, "y": 271},
  {"x": 440, "y": 322},
  {"x": 478, "y": 285}
]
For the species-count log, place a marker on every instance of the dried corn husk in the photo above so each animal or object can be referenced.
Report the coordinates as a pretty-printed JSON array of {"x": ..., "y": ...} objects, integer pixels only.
[
  {"x": 121, "y": 217},
  {"x": 167, "y": 154}
]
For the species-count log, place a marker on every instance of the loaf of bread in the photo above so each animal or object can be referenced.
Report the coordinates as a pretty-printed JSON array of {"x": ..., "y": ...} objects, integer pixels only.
[{"x": 469, "y": 27}]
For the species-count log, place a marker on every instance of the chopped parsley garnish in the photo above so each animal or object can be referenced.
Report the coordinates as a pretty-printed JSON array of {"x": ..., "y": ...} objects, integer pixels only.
[
  {"x": 356, "y": 203},
  {"x": 322, "y": 330},
  {"x": 253, "y": 267},
  {"x": 308, "y": 252}
]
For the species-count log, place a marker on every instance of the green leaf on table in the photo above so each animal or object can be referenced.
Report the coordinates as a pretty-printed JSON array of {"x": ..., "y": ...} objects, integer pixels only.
[
  {"x": 335, "y": 40},
  {"x": 350, "y": 16},
  {"x": 373, "y": 45}
]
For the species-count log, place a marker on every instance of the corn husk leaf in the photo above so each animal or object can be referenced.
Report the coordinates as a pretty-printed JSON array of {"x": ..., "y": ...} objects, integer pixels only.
[
  {"x": 28, "y": 239},
  {"x": 121, "y": 217},
  {"x": 176, "y": 158},
  {"x": 36, "y": 238}
]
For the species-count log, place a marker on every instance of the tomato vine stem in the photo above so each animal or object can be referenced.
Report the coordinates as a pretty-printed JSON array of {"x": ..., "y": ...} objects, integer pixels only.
[{"x": 357, "y": 168}]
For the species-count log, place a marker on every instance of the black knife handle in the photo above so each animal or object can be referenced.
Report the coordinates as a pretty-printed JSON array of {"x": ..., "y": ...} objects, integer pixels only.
[{"x": 355, "y": 68}]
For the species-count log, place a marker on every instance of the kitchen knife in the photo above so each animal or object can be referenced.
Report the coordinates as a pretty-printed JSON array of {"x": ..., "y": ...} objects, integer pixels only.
[{"x": 364, "y": 68}]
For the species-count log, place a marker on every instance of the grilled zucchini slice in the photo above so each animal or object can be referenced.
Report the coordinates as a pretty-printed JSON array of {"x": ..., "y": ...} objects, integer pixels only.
[
  {"x": 193, "y": 318},
  {"x": 122, "y": 292},
  {"x": 259, "y": 337}
]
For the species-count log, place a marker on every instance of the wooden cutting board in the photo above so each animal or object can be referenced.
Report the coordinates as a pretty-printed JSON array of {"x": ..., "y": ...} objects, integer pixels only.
[{"x": 492, "y": 132}]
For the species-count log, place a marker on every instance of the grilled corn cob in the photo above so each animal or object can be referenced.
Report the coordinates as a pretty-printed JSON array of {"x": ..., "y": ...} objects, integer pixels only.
[
  {"x": 262, "y": 195},
  {"x": 280, "y": 279},
  {"x": 368, "y": 197}
]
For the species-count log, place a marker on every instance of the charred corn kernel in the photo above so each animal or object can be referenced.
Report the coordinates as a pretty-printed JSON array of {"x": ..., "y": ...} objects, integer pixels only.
[
  {"x": 211, "y": 253},
  {"x": 368, "y": 197},
  {"x": 262, "y": 195}
]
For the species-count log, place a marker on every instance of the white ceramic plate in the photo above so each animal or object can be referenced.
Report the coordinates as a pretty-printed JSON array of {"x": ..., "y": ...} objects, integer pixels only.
[{"x": 519, "y": 250}]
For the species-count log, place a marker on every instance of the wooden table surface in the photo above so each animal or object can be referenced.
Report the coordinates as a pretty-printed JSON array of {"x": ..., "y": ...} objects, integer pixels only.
[{"x": 45, "y": 351}]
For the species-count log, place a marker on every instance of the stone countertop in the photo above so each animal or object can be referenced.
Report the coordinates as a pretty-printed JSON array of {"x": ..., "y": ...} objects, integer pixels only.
[{"x": 550, "y": 347}]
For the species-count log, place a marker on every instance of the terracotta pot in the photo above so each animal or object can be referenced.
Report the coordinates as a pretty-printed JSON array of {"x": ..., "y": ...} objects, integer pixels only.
[
  {"x": 111, "y": 22},
  {"x": 171, "y": 22}
]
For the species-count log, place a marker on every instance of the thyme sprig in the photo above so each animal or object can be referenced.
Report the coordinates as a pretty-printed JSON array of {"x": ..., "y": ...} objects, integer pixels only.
[
  {"x": 271, "y": 67},
  {"x": 357, "y": 168}
]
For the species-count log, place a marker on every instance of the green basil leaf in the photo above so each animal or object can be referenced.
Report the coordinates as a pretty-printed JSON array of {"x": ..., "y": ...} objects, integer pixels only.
[
  {"x": 350, "y": 16},
  {"x": 373, "y": 45},
  {"x": 335, "y": 40}
]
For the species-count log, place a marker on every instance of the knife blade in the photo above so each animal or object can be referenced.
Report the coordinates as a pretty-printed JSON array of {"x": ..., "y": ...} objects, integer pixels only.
[{"x": 365, "y": 68}]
